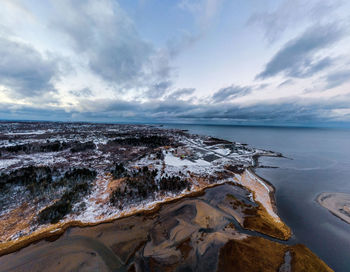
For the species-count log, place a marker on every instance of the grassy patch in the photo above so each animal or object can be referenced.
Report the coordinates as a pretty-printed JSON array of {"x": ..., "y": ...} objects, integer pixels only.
[
  {"x": 259, "y": 254},
  {"x": 304, "y": 260},
  {"x": 258, "y": 219}
]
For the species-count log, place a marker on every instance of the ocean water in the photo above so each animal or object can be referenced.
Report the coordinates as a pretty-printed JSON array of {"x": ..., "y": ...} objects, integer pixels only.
[{"x": 318, "y": 161}]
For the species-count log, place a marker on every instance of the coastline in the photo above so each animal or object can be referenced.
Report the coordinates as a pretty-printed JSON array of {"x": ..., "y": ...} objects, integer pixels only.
[
  {"x": 272, "y": 193},
  {"x": 56, "y": 230}
]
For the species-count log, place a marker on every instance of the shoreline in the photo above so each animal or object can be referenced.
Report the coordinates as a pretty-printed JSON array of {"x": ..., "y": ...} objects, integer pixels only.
[
  {"x": 56, "y": 230},
  {"x": 272, "y": 193}
]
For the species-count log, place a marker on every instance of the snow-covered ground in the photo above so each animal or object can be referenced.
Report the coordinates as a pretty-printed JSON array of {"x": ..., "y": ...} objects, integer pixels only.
[{"x": 202, "y": 161}]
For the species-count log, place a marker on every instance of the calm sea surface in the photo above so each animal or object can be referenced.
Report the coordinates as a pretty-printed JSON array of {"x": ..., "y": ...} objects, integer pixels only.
[{"x": 319, "y": 162}]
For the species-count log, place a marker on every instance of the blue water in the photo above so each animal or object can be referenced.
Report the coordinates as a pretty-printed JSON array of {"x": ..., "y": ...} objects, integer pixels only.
[{"x": 319, "y": 162}]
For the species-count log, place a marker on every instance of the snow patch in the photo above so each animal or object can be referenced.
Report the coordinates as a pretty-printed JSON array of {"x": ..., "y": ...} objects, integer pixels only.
[
  {"x": 171, "y": 160},
  {"x": 7, "y": 163},
  {"x": 223, "y": 151}
]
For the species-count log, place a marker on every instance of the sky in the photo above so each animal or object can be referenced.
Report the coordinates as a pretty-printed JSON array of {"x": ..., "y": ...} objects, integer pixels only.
[{"x": 258, "y": 62}]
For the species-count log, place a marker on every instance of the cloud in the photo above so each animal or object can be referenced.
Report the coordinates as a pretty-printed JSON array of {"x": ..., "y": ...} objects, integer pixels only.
[
  {"x": 302, "y": 111},
  {"x": 158, "y": 90},
  {"x": 180, "y": 93},
  {"x": 286, "y": 83},
  {"x": 85, "y": 92},
  {"x": 297, "y": 58},
  {"x": 291, "y": 13},
  {"x": 25, "y": 112},
  {"x": 24, "y": 71},
  {"x": 103, "y": 34},
  {"x": 129, "y": 75},
  {"x": 336, "y": 79},
  {"x": 296, "y": 110},
  {"x": 313, "y": 67},
  {"x": 229, "y": 93}
]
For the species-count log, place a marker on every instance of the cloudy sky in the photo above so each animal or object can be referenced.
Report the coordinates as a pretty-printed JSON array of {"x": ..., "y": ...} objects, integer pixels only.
[{"x": 273, "y": 62}]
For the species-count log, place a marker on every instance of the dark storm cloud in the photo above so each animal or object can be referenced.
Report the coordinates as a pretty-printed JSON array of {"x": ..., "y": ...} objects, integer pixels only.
[
  {"x": 24, "y": 71},
  {"x": 337, "y": 78},
  {"x": 230, "y": 92},
  {"x": 297, "y": 57}
]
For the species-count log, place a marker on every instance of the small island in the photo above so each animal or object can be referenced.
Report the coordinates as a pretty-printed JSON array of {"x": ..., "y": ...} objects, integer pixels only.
[{"x": 337, "y": 203}]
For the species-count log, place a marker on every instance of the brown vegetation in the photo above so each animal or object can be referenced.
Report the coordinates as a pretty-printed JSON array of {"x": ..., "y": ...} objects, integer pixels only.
[
  {"x": 18, "y": 220},
  {"x": 258, "y": 219},
  {"x": 261, "y": 221},
  {"x": 259, "y": 254},
  {"x": 304, "y": 260}
]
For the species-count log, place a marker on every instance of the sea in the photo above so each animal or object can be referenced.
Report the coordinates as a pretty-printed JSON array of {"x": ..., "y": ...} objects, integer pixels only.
[{"x": 316, "y": 160}]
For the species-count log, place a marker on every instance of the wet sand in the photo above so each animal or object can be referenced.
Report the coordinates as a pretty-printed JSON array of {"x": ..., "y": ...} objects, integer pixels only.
[
  {"x": 200, "y": 233},
  {"x": 337, "y": 203}
]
